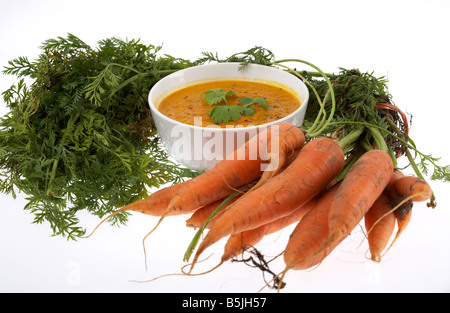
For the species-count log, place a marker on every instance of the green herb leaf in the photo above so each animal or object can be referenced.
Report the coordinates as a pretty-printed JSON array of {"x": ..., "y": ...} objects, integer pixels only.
[
  {"x": 81, "y": 136},
  {"x": 217, "y": 95},
  {"x": 246, "y": 101},
  {"x": 225, "y": 113},
  {"x": 248, "y": 111}
]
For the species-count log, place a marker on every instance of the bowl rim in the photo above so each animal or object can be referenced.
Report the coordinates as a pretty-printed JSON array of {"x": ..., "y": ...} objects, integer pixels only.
[{"x": 154, "y": 110}]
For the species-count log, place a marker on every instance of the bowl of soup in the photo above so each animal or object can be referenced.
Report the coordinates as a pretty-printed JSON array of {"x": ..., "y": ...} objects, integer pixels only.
[{"x": 203, "y": 113}]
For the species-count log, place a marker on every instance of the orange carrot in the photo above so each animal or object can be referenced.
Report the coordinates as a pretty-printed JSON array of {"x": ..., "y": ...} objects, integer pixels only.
[
  {"x": 157, "y": 202},
  {"x": 235, "y": 171},
  {"x": 403, "y": 218},
  {"x": 153, "y": 205},
  {"x": 353, "y": 197},
  {"x": 228, "y": 175},
  {"x": 411, "y": 185},
  {"x": 239, "y": 242},
  {"x": 244, "y": 166},
  {"x": 389, "y": 106},
  {"x": 199, "y": 216},
  {"x": 408, "y": 189},
  {"x": 379, "y": 231},
  {"x": 317, "y": 163},
  {"x": 362, "y": 185},
  {"x": 280, "y": 149},
  {"x": 310, "y": 235},
  {"x": 390, "y": 190}
]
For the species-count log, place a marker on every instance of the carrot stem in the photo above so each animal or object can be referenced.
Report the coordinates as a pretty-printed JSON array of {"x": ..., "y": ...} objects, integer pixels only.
[
  {"x": 379, "y": 140},
  {"x": 319, "y": 100},
  {"x": 350, "y": 139},
  {"x": 349, "y": 163},
  {"x": 315, "y": 131},
  {"x": 52, "y": 176}
]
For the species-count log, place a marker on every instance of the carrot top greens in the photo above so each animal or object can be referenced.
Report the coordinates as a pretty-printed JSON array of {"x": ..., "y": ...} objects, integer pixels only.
[{"x": 79, "y": 134}]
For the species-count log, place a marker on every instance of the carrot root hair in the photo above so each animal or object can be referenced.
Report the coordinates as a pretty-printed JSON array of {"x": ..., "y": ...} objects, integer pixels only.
[
  {"x": 278, "y": 281},
  {"x": 124, "y": 209},
  {"x": 202, "y": 273},
  {"x": 148, "y": 234},
  {"x": 406, "y": 199},
  {"x": 183, "y": 273}
]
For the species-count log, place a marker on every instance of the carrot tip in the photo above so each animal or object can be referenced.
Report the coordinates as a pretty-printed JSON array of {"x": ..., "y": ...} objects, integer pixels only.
[{"x": 376, "y": 258}]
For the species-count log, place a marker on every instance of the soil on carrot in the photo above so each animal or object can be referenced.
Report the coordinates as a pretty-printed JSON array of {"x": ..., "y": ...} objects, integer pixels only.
[{"x": 405, "y": 208}]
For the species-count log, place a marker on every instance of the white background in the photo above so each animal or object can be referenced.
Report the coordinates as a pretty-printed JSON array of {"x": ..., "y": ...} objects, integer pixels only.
[{"x": 405, "y": 40}]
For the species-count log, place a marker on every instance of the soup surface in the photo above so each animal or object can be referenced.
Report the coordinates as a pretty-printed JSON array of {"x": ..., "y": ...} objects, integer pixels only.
[{"x": 188, "y": 105}]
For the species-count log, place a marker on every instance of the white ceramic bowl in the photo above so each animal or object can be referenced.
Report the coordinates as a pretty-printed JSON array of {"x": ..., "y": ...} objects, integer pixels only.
[{"x": 200, "y": 148}]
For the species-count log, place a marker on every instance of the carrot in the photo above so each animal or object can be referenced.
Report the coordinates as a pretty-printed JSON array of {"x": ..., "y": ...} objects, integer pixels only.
[
  {"x": 240, "y": 168},
  {"x": 157, "y": 202},
  {"x": 228, "y": 175},
  {"x": 411, "y": 185},
  {"x": 362, "y": 185},
  {"x": 310, "y": 234},
  {"x": 403, "y": 220},
  {"x": 280, "y": 151},
  {"x": 243, "y": 166},
  {"x": 379, "y": 233},
  {"x": 389, "y": 106},
  {"x": 153, "y": 205},
  {"x": 317, "y": 163},
  {"x": 390, "y": 190},
  {"x": 239, "y": 242},
  {"x": 352, "y": 198},
  {"x": 407, "y": 190},
  {"x": 199, "y": 216},
  {"x": 402, "y": 215}
]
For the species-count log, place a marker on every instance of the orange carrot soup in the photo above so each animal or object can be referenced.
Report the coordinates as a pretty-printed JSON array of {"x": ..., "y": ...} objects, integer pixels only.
[{"x": 191, "y": 103}]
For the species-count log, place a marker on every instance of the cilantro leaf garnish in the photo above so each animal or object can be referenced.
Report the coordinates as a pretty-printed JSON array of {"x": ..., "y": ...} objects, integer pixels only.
[
  {"x": 246, "y": 101},
  {"x": 217, "y": 95},
  {"x": 226, "y": 113}
]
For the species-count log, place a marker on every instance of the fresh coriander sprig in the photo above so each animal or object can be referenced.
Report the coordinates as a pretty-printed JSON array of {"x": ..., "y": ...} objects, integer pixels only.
[
  {"x": 217, "y": 95},
  {"x": 226, "y": 113}
]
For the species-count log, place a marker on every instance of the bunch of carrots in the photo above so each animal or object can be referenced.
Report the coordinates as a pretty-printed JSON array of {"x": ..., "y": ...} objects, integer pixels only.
[
  {"x": 300, "y": 182},
  {"x": 324, "y": 183}
]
